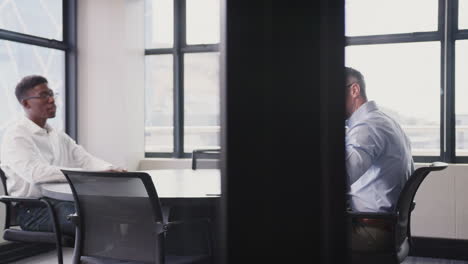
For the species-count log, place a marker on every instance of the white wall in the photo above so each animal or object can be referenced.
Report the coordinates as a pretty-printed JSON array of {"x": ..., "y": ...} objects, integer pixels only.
[
  {"x": 111, "y": 80},
  {"x": 442, "y": 204}
]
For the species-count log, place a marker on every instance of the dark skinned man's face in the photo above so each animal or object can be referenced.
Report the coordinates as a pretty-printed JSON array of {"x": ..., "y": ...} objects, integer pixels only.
[{"x": 39, "y": 102}]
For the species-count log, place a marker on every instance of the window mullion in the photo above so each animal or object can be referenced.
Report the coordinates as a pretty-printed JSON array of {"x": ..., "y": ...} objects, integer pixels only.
[
  {"x": 442, "y": 28},
  {"x": 179, "y": 43},
  {"x": 70, "y": 39},
  {"x": 32, "y": 40},
  {"x": 461, "y": 34},
  {"x": 393, "y": 38},
  {"x": 448, "y": 81}
]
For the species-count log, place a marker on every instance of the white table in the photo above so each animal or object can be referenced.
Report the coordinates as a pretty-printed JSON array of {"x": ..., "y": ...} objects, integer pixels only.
[{"x": 173, "y": 186}]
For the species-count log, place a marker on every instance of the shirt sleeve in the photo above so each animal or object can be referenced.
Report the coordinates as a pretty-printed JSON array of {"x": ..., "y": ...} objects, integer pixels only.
[
  {"x": 20, "y": 156},
  {"x": 363, "y": 146},
  {"x": 82, "y": 158}
]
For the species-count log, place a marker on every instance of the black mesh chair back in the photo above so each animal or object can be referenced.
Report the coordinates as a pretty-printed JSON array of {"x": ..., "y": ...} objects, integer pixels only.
[
  {"x": 10, "y": 217},
  {"x": 119, "y": 217},
  {"x": 3, "y": 178},
  {"x": 399, "y": 220},
  {"x": 213, "y": 154},
  {"x": 405, "y": 203}
]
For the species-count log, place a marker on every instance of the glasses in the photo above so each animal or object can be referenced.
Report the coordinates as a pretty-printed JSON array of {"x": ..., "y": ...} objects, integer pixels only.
[
  {"x": 43, "y": 96},
  {"x": 349, "y": 84}
]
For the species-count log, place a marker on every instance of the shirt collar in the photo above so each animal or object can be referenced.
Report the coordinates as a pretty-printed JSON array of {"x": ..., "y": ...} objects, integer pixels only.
[
  {"x": 361, "y": 112},
  {"x": 34, "y": 128}
]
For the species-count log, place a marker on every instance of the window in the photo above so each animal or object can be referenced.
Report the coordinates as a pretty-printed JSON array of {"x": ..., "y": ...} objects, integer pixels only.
[
  {"x": 201, "y": 107},
  {"x": 182, "y": 76},
  {"x": 414, "y": 68},
  {"x": 159, "y": 94},
  {"x": 461, "y": 106},
  {"x": 463, "y": 14},
  {"x": 370, "y": 17},
  {"x": 395, "y": 86},
  {"x": 203, "y": 22},
  {"x": 34, "y": 40},
  {"x": 36, "y": 18}
]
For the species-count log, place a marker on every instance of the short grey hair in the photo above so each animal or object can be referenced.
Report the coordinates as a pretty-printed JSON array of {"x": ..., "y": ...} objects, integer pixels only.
[{"x": 353, "y": 73}]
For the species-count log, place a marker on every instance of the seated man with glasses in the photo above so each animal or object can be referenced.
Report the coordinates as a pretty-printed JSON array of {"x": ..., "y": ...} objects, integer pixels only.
[
  {"x": 32, "y": 152},
  {"x": 378, "y": 162}
]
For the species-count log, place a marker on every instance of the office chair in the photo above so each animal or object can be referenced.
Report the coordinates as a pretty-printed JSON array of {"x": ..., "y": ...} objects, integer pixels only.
[
  {"x": 18, "y": 235},
  {"x": 399, "y": 221},
  {"x": 119, "y": 218},
  {"x": 204, "y": 153}
]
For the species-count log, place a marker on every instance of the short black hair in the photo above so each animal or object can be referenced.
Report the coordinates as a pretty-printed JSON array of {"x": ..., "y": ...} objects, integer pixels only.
[
  {"x": 26, "y": 84},
  {"x": 353, "y": 73}
]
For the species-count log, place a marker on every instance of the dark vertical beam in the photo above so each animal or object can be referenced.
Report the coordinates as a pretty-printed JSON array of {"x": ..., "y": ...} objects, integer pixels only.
[
  {"x": 70, "y": 39},
  {"x": 279, "y": 66},
  {"x": 332, "y": 133},
  {"x": 179, "y": 43}
]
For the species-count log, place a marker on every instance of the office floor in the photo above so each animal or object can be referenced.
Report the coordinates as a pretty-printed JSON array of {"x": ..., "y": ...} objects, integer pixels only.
[
  {"x": 416, "y": 260},
  {"x": 51, "y": 257},
  {"x": 48, "y": 258}
]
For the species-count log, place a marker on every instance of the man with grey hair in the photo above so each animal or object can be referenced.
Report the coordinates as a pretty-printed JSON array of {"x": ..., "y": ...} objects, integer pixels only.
[{"x": 378, "y": 162}]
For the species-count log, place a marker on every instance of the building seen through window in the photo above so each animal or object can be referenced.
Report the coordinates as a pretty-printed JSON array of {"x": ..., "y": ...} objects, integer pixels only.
[
  {"x": 18, "y": 59},
  {"x": 411, "y": 97},
  {"x": 182, "y": 76},
  {"x": 414, "y": 69}
]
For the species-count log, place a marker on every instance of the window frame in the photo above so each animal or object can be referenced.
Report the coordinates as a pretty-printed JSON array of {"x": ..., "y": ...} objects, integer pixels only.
[
  {"x": 178, "y": 51},
  {"x": 447, "y": 34},
  {"x": 68, "y": 45}
]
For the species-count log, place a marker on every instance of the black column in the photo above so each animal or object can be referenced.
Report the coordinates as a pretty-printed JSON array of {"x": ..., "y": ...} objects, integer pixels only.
[{"x": 283, "y": 131}]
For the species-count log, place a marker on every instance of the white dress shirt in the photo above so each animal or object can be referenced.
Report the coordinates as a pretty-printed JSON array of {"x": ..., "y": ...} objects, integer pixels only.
[
  {"x": 31, "y": 155},
  {"x": 378, "y": 159}
]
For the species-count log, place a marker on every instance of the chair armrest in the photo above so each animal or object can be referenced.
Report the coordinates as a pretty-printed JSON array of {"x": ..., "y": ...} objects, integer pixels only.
[
  {"x": 195, "y": 152},
  {"x": 372, "y": 215},
  {"x": 5, "y": 198},
  {"x": 41, "y": 200},
  {"x": 74, "y": 218}
]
